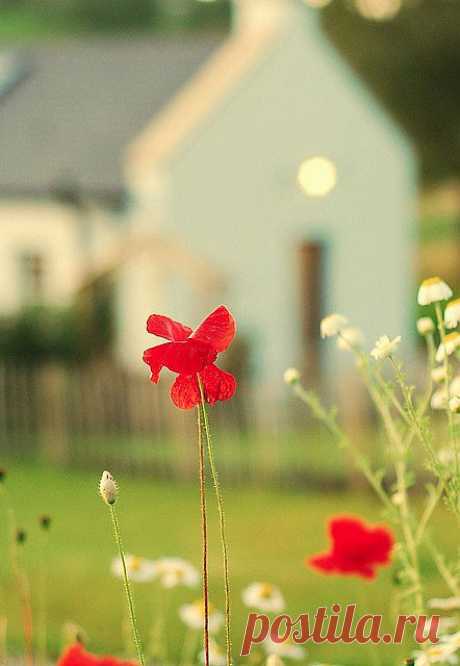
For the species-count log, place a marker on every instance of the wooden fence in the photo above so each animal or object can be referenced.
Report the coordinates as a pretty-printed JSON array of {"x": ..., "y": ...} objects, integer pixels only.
[{"x": 102, "y": 416}]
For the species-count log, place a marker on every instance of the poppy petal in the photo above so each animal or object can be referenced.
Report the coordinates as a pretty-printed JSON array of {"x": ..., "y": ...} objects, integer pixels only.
[
  {"x": 218, "y": 385},
  {"x": 188, "y": 357},
  {"x": 217, "y": 330},
  {"x": 156, "y": 357},
  {"x": 167, "y": 328},
  {"x": 185, "y": 393}
]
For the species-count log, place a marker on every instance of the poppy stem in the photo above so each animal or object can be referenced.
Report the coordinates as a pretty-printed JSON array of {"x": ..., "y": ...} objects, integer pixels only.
[
  {"x": 204, "y": 535},
  {"x": 129, "y": 596},
  {"x": 222, "y": 524}
]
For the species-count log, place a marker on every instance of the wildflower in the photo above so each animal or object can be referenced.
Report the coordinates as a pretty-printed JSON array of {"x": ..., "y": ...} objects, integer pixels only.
[
  {"x": 356, "y": 548},
  {"x": 76, "y": 655},
  {"x": 286, "y": 649},
  {"x": 174, "y": 571},
  {"x": 44, "y": 522},
  {"x": 2, "y": 474},
  {"x": 108, "y": 488},
  {"x": 454, "y": 404},
  {"x": 350, "y": 338},
  {"x": 384, "y": 347},
  {"x": 140, "y": 569},
  {"x": 433, "y": 290},
  {"x": 454, "y": 386},
  {"x": 193, "y": 616},
  {"x": 447, "y": 603},
  {"x": 217, "y": 656},
  {"x": 439, "y": 399},
  {"x": 452, "y": 313},
  {"x": 274, "y": 660},
  {"x": 425, "y": 325},
  {"x": 450, "y": 344},
  {"x": 291, "y": 376},
  {"x": 442, "y": 652},
  {"x": 264, "y": 597},
  {"x": 397, "y": 498},
  {"x": 332, "y": 325},
  {"x": 438, "y": 374},
  {"x": 191, "y": 355},
  {"x": 446, "y": 456}
]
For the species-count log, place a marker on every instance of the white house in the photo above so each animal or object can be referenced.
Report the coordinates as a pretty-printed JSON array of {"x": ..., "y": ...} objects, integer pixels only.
[
  {"x": 275, "y": 165},
  {"x": 252, "y": 169}
]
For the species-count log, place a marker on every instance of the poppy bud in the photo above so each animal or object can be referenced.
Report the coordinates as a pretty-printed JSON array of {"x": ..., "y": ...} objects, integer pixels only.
[
  {"x": 108, "y": 488},
  {"x": 2, "y": 474},
  {"x": 21, "y": 536},
  {"x": 410, "y": 662},
  {"x": 45, "y": 522}
]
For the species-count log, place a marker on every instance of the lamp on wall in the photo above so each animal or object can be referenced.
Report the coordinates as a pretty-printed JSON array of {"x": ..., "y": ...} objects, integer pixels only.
[{"x": 317, "y": 176}]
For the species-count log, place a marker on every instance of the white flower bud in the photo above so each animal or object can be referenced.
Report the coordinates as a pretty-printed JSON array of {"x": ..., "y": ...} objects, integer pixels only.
[
  {"x": 108, "y": 488},
  {"x": 291, "y": 376},
  {"x": 332, "y": 325},
  {"x": 425, "y": 325}
]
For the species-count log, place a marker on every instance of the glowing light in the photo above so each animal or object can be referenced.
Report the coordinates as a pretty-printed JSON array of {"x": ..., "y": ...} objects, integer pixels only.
[
  {"x": 317, "y": 176},
  {"x": 378, "y": 10}
]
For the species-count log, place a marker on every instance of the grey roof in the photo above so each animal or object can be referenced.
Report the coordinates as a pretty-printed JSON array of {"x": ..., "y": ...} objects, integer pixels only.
[{"x": 74, "y": 105}]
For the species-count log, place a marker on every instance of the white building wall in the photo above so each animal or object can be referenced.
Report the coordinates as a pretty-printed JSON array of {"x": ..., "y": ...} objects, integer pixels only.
[{"x": 235, "y": 199}]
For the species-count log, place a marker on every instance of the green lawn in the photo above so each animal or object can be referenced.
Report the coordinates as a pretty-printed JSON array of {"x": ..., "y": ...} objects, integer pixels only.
[{"x": 271, "y": 533}]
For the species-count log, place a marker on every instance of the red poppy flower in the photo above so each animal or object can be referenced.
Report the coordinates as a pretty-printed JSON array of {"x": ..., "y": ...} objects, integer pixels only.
[
  {"x": 191, "y": 354},
  {"x": 76, "y": 655},
  {"x": 356, "y": 548}
]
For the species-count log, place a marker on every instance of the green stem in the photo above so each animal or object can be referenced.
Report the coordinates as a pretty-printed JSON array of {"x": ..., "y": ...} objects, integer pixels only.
[
  {"x": 204, "y": 535},
  {"x": 222, "y": 525},
  {"x": 42, "y": 633},
  {"x": 127, "y": 587}
]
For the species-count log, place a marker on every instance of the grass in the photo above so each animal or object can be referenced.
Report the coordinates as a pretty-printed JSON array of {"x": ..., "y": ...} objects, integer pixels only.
[{"x": 271, "y": 532}]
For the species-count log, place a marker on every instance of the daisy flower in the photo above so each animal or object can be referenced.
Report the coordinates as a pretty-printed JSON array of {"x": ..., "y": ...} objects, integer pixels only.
[
  {"x": 350, "y": 338},
  {"x": 452, "y": 313},
  {"x": 332, "y": 325},
  {"x": 439, "y": 399},
  {"x": 447, "y": 603},
  {"x": 140, "y": 569},
  {"x": 287, "y": 649},
  {"x": 438, "y": 374},
  {"x": 385, "y": 347},
  {"x": 263, "y": 597},
  {"x": 425, "y": 325},
  {"x": 450, "y": 344},
  {"x": 433, "y": 290},
  {"x": 291, "y": 376},
  {"x": 174, "y": 571},
  {"x": 193, "y": 616}
]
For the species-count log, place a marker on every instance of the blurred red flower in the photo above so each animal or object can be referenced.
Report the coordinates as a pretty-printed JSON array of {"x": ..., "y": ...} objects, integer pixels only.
[
  {"x": 356, "y": 548},
  {"x": 76, "y": 655},
  {"x": 192, "y": 354}
]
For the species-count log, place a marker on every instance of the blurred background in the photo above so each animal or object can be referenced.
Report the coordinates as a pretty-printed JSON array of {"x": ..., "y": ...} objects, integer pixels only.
[{"x": 287, "y": 158}]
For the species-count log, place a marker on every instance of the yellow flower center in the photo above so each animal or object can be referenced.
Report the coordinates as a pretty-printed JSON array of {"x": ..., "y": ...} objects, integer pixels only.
[
  {"x": 431, "y": 281},
  {"x": 266, "y": 590},
  {"x": 135, "y": 564},
  {"x": 199, "y": 605}
]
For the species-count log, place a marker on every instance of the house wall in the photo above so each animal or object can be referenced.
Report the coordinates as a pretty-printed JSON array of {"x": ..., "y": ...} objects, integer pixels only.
[
  {"x": 69, "y": 242},
  {"x": 235, "y": 200}
]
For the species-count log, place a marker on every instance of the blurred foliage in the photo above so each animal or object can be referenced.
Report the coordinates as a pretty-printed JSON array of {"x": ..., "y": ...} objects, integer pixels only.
[{"x": 41, "y": 334}]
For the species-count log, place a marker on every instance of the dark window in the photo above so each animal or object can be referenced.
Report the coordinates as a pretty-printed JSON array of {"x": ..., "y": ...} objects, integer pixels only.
[{"x": 311, "y": 258}]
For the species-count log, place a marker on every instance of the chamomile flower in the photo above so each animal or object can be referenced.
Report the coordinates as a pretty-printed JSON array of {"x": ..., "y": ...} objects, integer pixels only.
[
  {"x": 454, "y": 404},
  {"x": 217, "y": 656},
  {"x": 454, "y": 386},
  {"x": 287, "y": 649},
  {"x": 452, "y": 313},
  {"x": 140, "y": 569},
  {"x": 439, "y": 399},
  {"x": 450, "y": 344},
  {"x": 332, "y": 325},
  {"x": 445, "y": 603},
  {"x": 438, "y": 374},
  {"x": 350, "y": 338},
  {"x": 193, "y": 616},
  {"x": 108, "y": 488},
  {"x": 274, "y": 660},
  {"x": 425, "y": 325},
  {"x": 385, "y": 347},
  {"x": 433, "y": 290},
  {"x": 291, "y": 376},
  {"x": 174, "y": 571},
  {"x": 263, "y": 597}
]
